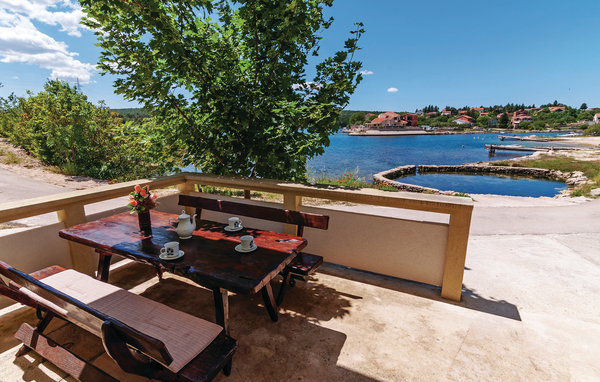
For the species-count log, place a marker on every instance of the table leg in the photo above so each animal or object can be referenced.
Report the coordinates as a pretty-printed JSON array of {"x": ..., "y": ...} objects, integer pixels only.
[
  {"x": 103, "y": 265},
  {"x": 222, "y": 308},
  {"x": 267, "y": 294},
  {"x": 284, "y": 284}
]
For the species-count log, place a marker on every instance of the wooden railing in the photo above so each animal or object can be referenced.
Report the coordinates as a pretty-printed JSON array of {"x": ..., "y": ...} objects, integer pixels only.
[{"x": 70, "y": 209}]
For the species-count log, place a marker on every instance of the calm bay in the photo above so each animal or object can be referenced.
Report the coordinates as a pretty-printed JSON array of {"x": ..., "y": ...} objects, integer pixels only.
[{"x": 366, "y": 156}]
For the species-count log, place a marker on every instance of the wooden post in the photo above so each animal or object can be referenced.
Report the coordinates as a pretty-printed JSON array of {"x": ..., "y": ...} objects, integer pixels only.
[
  {"x": 83, "y": 258},
  {"x": 247, "y": 194},
  {"x": 187, "y": 188},
  {"x": 456, "y": 253},
  {"x": 291, "y": 202}
]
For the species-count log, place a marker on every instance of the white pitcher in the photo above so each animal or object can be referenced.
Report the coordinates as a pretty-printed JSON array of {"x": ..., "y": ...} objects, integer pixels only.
[{"x": 186, "y": 225}]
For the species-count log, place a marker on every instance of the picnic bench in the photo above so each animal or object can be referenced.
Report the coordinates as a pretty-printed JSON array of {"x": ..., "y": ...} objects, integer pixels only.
[
  {"x": 142, "y": 336},
  {"x": 304, "y": 264}
]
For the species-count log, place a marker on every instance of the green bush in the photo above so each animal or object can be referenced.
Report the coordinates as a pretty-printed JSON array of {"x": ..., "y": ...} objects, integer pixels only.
[
  {"x": 61, "y": 128},
  {"x": 592, "y": 130}
]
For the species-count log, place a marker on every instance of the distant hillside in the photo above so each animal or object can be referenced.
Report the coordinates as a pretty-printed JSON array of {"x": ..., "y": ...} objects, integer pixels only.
[
  {"x": 131, "y": 113},
  {"x": 138, "y": 113}
]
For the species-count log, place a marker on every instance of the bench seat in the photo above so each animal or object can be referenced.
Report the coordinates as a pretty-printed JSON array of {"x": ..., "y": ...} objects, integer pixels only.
[
  {"x": 305, "y": 264},
  {"x": 184, "y": 335}
]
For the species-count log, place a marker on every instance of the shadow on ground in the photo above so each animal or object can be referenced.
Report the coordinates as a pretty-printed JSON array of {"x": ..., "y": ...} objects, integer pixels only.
[
  {"x": 470, "y": 298},
  {"x": 293, "y": 348}
]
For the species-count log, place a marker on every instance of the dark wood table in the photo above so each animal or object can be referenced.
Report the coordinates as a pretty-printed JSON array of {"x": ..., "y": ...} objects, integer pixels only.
[{"x": 210, "y": 259}]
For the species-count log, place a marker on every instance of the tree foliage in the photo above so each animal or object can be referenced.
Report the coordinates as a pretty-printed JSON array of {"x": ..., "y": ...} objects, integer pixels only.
[
  {"x": 430, "y": 108},
  {"x": 230, "y": 78},
  {"x": 483, "y": 121},
  {"x": 61, "y": 128},
  {"x": 503, "y": 122},
  {"x": 357, "y": 118}
]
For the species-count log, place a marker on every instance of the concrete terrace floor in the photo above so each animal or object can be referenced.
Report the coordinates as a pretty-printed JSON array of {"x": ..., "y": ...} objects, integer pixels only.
[{"x": 530, "y": 311}]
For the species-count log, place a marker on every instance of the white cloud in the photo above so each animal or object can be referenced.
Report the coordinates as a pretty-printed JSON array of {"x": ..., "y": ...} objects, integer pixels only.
[
  {"x": 392, "y": 90},
  {"x": 44, "y": 11},
  {"x": 366, "y": 72},
  {"x": 21, "y": 41},
  {"x": 14, "y": 77},
  {"x": 307, "y": 86}
]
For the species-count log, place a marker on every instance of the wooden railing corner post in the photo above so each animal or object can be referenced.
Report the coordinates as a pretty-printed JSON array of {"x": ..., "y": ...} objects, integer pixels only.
[
  {"x": 186, "y": 188},
  {"x": 293, "y": 202},
  {"x": 456, "y": 253},
  {"x": 83, "y": 258}
]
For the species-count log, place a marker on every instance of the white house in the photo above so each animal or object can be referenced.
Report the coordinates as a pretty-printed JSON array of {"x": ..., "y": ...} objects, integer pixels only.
[{"x": 597, "y": 118}]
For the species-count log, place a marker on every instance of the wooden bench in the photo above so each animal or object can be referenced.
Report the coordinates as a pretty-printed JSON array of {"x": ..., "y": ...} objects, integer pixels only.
[
  {"x": 142, "y": 336},
  {"x": 304, "y": 264}
]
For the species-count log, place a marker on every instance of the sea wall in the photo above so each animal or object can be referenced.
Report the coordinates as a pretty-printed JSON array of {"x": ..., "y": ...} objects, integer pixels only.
[
  {"x": 500, "y": 170},
  {"x": 386, "y": 178},
  {"x": 574, "y": 179}
]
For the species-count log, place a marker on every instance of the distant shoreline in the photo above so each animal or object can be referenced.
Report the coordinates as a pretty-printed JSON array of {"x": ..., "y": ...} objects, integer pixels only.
[{"x": 378, "y": 133}]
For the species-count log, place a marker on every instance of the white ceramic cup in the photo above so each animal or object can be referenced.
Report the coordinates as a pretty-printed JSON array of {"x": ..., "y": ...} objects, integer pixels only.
[
  {"x": 234, "y": 223},
  {"x": 171, "y": 249},
  {"x": 247, "y": 242}
]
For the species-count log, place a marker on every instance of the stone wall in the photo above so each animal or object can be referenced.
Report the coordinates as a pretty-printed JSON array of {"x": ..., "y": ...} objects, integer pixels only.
[
  {"x": 501, "y": 170},
  {"x": 386, "y": 178},
  {"x": 574, "y": 179}
]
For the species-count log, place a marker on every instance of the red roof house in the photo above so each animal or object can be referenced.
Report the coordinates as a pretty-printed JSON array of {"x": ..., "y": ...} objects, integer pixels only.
[
  {"x": 390, "y": 119},
  {"x": 464, "y": 120},
  {"x": 520, "y": 116}
]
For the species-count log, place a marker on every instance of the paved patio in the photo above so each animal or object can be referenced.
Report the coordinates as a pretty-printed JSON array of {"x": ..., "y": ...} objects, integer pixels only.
[{"x": 530, "y": 311}]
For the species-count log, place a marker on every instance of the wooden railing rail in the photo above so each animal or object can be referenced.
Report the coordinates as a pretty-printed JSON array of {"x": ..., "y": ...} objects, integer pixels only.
[
  {"x": 423, "y": 202},
  {"x": 37, "y": 206},
  {"x": 70, "y": 209},
  {"x": 459, "y": 209}
]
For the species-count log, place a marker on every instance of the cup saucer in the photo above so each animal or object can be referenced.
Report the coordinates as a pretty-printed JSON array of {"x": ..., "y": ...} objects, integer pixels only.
[
  {"x": 164, "y": 256},
  {"x": 240, "y": 249},
  {"x": 229, "y": 229}
]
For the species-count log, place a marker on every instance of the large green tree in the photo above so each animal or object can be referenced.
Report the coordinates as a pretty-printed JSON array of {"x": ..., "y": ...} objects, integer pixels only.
[
  {"x": 232, "y": 79},
  {"x": 503, "y": 123},
  {"x": 357, "y": 118}
]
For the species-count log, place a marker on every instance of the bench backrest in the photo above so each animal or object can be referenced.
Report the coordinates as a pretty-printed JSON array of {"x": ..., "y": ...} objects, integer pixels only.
[
  {"x": 298, "y": 218},
  {"x": 115, "y": 334}
]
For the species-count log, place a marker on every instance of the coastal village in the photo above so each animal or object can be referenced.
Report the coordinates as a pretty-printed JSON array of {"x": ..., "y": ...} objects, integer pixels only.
[{"x": 475, "y": 118}]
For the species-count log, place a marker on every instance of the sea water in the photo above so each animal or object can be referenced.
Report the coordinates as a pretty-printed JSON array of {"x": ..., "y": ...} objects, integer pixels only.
[
  {"x": 369, "y": 155},
  {"x": 486, "y": 184}
]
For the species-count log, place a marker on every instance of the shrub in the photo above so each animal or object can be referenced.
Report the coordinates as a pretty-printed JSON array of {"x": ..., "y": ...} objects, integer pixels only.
[
  {"x": 592, "y": 130},
  {"x": 61, "y": 128}
]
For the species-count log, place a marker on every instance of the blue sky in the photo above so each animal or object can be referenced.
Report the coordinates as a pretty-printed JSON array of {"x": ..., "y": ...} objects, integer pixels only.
[{"x": 453, "y": 53}]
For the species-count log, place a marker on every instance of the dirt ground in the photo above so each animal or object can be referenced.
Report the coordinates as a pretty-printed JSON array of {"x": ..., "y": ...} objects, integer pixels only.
[{"x": 17, "y": 161}]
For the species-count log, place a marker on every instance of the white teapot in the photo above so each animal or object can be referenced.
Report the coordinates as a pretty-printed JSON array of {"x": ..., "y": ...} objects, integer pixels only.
[{"x": 186, "y": 225}]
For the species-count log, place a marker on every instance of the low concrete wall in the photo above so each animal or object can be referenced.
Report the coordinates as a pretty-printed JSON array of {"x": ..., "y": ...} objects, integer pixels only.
[
  {"x": 411, "y": 248},
  {"x": 35, "y": 248},
  {"x": 405, "y": 244}
]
